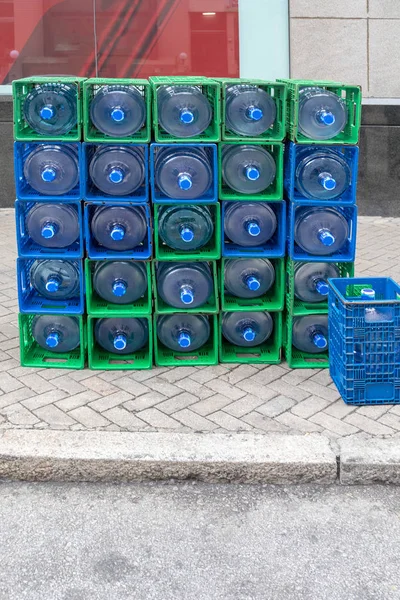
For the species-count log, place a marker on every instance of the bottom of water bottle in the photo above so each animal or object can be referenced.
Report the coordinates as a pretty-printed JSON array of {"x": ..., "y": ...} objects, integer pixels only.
[
  {"x": 303, "y": 360},
  {"x": 270, "y": 352}
]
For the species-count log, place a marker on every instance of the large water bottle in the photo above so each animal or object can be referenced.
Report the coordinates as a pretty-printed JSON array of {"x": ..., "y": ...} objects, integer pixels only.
[
  {"x": 185, "y": 227},
  {"x": 322, "y": 174},
  {"x": 185, "y": 285},
  {"x": 183, "y": 110},
  {"x": 320, "y": 231},
  {"x": 248, "y": 277},
  {"x": 249, "y": 223},
  {"x": 118, "y": 110},
  {"x": 247, "y": 169},
  {"x": 50, "y": 108},
  {"x": 57, "y": 333},
  {"x": 183, "y": 172},
  {"x": 311, "y": 280},
  {"x": 247, "y": 328},
  {"x": 117, "y": 170},
  {"x": 119, "y": 227},
  {"x": 322, "y": 114},
  {"x": 121, "y": 335},
  {"x": 183, "y": 332},
  {"x": 52, "y": 225},
  {"x": 249, "y": 110},
  {"x": 120, "y": 282},
  {"x": 55, "y": 279},
  {"x": 310, "y": 333},
  {"x": 52, "y": 169}
]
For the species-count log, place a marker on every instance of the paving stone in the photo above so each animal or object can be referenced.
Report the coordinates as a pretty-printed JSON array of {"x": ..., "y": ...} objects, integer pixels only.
[
  {"x": 286, "y": 389},
  {"x": 36, "y": 383},
  {"x": 8, "y": 383},
  {"x": 335, "y": 425},
  {"x": 243, "y": 406},
  {"x": 88, "y": 417},
  {"x": 226, "y": 389},
  {"x": 178, "y": 373},
  {"x": 320, "y": 390},
  {"x": 268, "y": 374},
  {"x": 239, "y": 373},
  {"x": 276, "y": 406},
  {"x": 194, "y": 421},
  {"x": 373, "y": 412},
  {"x": 69, "y": 385},
  {"x": 228, "y": 422},
  {"x": 339, "y": 409},
  {"x": 19, "y": 415},
  {"x": 368, "y": 425},
  {"x": 157, "y": 419},
  {"x": 297, "y": 423},
  {"x": 72, "y": 402},
  {"x": 111, "y": 401},
  {"x": 163, "y": 387},
  {"x": 209, "y": 373},
  {"x": 129, "y": 385},
  {"x": 309, "y": 407},
  {"x": 177, "y": 403},
  {"x": 145, "y": 401},
  {"x": 256, "y": 389},
  {"x": 16, "y": 396},
  {"x": 197, "y": 389},
  {"x": 100, "y": 386},
  {"x": 122, "y": 417},
  {"x": 263, "y": 423},
  {"x": 210, "y": 405},
  {"x": 54, "y": 416},
  {"x": 297, "y": 376},
  {"x": 43, "y": 399}
]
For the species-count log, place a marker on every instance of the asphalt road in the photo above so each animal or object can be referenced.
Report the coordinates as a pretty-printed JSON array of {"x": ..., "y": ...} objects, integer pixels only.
[{"x": 198, "y": 542}]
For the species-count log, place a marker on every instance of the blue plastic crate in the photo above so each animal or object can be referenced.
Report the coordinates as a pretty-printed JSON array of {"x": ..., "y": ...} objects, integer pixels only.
[
  {"x": 345, "y": 254},
  {"x": 24, "y": 190},
  {"x": 212, "y": 193},
  {"x": 274, "y": 248},
  {"x": 27, "y": 248},
  {"x": 142, "y": 252},
  {"x": 31, "y": 302},
  {"x": 364, "y": 340},
  {"x": 91, "y": 192},
  {"x": 292, "y": 159}
]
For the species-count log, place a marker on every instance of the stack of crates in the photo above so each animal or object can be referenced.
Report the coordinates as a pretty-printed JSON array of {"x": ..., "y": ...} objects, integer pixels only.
[{"x": 299, "y": 146}]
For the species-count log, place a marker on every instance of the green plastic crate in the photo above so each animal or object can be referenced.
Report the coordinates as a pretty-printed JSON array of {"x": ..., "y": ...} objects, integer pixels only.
[
  {"x": 107, "y": 361},
  {"x": 210, "y": 88},
  {"x": 22, "y": 130},
  {"x": 277, "y": 132},
  {"x": 351, "y": 94},
  {"x": 273, "y": 192},
  {"x": 33, "y": 355},
  {"x": 267, "y": 353},
  {"x": 91, "y": 87},
  {"x": 99, "y": 307},
  {"x": 206, "y": 355},
  {"x": 303, "y": 360},
  {"x": 273, "y": 300},
  {"x": 211, "y": 251},
  {"x": 211, "y": 307},
  {"x": 297, "y": 307}
]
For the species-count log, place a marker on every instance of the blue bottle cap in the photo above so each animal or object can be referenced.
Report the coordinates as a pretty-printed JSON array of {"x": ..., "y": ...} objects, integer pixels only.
[
  {"x": 53, "y": 284},
  {"x": 120, "y": 342},
  {"x": 48, "y": 174},
  {"x": 117, "y": 233},
  {"x": 327, "y": 181},
  {"x": 118, "y": 114},
  {"x": 367, "y": 294},
  {"x": 319, "y": 340},
  {"x": 116, "y": 175},
  {"x": 185, "y": 181},
  {"x": 49, "y": 230},
  {"x": 47, "y": 112},
  {"x": 184, "y": 340},
  {"x": 322, "y": 287},
  {"x": 326, "y": 237},
  {"x": 119, "y": 288},
  {"x": 53, "y": 339},
  {"x": 187, "y": 295},
  {"x": 254, "y": 113},
  {"x": 252, "y": 173},
  {"x": 253, "y": 283},
  {"x": 186, "y": 116},
  {"x": 249, "y": 334},
  {"x": 326, "y": 117},
  {"x": 187, "y": 234},
  {"x": 253, "y": 228}
]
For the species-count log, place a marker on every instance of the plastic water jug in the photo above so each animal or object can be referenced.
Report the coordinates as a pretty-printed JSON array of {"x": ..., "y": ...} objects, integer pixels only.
[
  {"x": 56, "y": 333},
  {"x": 52, "y": 169},
  {"x": 249, "y": 110},
  {"x": 185, "y": 227},
  {"x": 120, "y": 282},
  {"x": 310, "y": 333},
  {"x": 50, "y": 108},
  {"x": 117, "y": 170},
  {"x": 249, "y": 223},
  {"x": 183, "y": 332},
  {"x": 119, "y": 227},
  {"x": 320, "y": 231},
  {"x": 121, "y": 335},
  {"x": 55, "y": 279},
  {"x": 322, "y": 114},
  {"x": 183, "y": 110},
  {"x": 247, "y": 169},
  {"x": 183, "y": 173},
  {"x": 372, "y": 353},
  {"x": 185, "y": 285},
  {"x": 52, "y": 225},
  {"x": 322, "y": 174},
  {"x": 118, "y": 110},
  {"x": 247, "y": 329},
  {"x": 248, "y": 277},
  {"x": 311, "y": 280}
]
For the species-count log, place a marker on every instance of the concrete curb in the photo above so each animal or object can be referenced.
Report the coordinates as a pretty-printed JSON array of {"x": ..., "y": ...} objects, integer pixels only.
[
  {"x": 373, "y": 460},
  {"x": 112, "y": 456}
]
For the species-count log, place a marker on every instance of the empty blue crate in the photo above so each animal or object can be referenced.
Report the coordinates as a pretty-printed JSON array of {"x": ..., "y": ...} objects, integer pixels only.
[
  {"x": 36, "y": 219},
  {"x": 115, "y": 172},
  {"x": 326, "y": 174},
  {"x": 97, "y": 250},
  {"x": 322, "y": 232},
  {"x": 274, "y": 247},
  {"x": 30, "y": 301},
  {"x": 47, "y": 170},
  {"x": 364, "y": 339},
  {"x": 183, "y": 173}
]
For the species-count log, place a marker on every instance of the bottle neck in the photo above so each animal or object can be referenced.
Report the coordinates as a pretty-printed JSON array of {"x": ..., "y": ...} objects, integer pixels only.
[
  {"x": 249, "y": 334},
  {"x": 119, "y": 287},
  {"x": 184, "y": 339},
  {"x": 120, "y": 341},
  {"x": 186, "y": 233},
  {"x": 117, "y": 232},
  {"x": 49, "y": 230},
  {"x": 319, "y": 339},
  {"x": 187, "y": 294}
]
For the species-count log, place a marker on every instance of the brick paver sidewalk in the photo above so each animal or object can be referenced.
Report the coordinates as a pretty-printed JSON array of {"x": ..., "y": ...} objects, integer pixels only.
[{"x": 221, "y": 398}]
